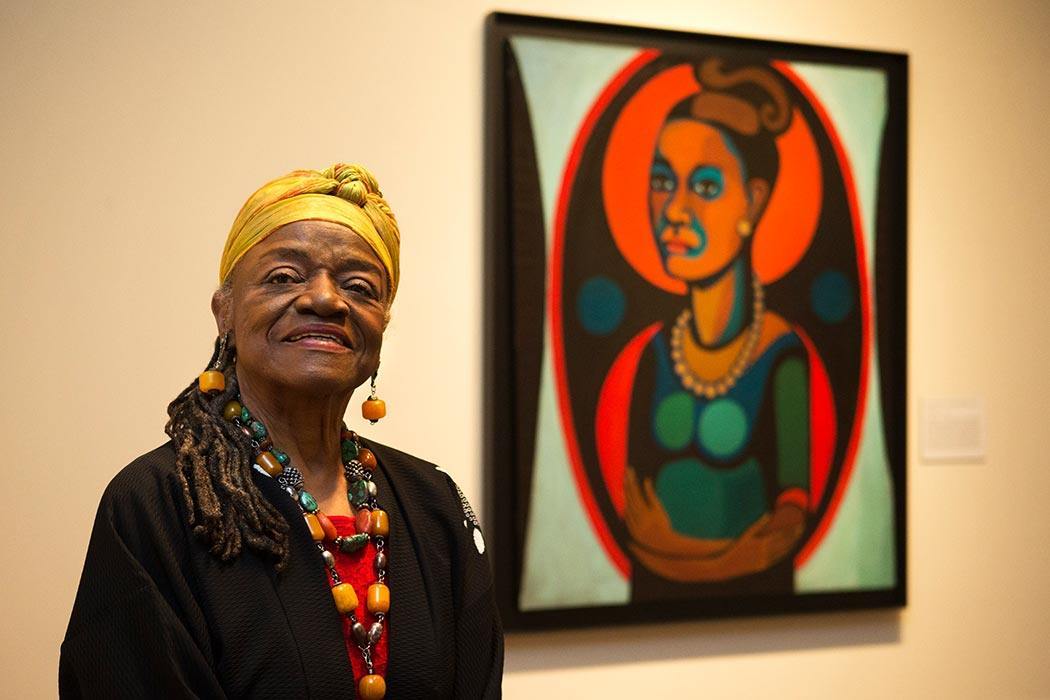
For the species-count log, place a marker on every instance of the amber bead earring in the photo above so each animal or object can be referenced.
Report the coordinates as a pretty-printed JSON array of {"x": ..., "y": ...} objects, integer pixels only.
[
  {"x": 374, "y": 407},
  {"x": 212, "y": 380}
]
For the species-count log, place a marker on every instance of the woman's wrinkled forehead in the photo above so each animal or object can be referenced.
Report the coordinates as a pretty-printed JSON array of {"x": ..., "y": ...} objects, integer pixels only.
[
  {"x": 346, "y": 196},
  {"x": 311, "y": 245}
]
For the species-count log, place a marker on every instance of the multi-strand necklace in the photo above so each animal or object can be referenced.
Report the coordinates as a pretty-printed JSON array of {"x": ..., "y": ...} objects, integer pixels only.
[
  {"x": 713, "y": 388},
  {"x": 372, "y": 522}
]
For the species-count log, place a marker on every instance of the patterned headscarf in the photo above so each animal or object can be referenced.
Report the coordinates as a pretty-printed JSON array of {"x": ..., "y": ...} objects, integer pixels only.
[{"x": 342, "y": 194}]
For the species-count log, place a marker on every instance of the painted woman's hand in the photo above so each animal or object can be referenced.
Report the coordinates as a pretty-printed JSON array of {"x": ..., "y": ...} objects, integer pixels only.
[
  {"x": 783, "y": 530},
  {"x": 650, "y": 527},
  {"x": 689, "y": 559}
]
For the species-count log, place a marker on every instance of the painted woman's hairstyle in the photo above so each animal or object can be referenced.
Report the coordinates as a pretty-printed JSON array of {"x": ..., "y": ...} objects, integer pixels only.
[{"x": 749, "y": 104}]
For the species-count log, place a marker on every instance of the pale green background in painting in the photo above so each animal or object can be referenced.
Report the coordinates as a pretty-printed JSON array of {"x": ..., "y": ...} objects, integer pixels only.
[
  {"x": 564, "y": 564},
  {"x": 858, "y": 550}
]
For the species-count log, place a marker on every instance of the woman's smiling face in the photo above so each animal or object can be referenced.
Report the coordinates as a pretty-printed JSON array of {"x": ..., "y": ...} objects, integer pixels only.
[
  {"x": 307, "y": 310},
  {"x": 697, "y": 199}
]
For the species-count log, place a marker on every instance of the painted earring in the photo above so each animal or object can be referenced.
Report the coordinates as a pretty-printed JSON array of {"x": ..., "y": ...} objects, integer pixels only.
[
  {"x": 212, "y": 380},
  {"x": 743, "y": 227},
  {"x": 374, "y": 407}
]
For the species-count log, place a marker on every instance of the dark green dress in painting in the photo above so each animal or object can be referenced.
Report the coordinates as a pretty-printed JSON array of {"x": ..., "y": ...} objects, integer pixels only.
[{"x": 717, "y": 465}]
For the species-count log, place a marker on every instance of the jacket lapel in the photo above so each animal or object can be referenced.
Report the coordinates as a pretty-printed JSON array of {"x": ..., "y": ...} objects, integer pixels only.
[{"x": 411, "y": 642}]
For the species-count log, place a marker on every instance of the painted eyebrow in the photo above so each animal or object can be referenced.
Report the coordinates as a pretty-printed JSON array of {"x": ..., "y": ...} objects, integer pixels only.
[{"x": 707, "y": 166}]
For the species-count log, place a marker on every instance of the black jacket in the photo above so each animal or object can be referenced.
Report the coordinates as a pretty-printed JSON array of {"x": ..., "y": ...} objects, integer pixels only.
[{"x": 156, "y": 615}]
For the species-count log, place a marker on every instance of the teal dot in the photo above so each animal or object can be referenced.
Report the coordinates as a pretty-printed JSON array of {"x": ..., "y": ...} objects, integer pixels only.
[
  {"x": 600, "y": 305},
  {"x": 723, "y": 428},
  {"x": 831, "y": 296},
  {"x": 673, "y": 421}
]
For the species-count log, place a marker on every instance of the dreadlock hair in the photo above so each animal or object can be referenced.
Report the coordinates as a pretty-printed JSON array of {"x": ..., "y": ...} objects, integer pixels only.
[{"x": 213, "y": 464}]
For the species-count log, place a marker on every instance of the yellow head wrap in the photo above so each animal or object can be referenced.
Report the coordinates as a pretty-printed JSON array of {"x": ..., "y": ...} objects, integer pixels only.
[{"x": 342, "y": 194}]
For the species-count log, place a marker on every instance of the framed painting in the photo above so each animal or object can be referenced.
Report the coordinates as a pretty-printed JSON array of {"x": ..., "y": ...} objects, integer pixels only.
[{"x": 695, "y": 333}]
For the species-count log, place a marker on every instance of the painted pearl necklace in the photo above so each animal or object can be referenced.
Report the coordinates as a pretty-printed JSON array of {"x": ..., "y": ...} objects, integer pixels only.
[
  {"x": 372, "y": 522},
  {"x": 713, "y": 388}
]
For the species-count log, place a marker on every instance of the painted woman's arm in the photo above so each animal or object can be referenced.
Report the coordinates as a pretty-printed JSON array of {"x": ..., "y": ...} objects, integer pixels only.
[
  {"x": 689, "y": 559},
  {"x": 791, "y": 418}
]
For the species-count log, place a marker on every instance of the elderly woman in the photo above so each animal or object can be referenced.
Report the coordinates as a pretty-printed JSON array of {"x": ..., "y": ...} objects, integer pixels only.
[{"x": 266, "y": 550}]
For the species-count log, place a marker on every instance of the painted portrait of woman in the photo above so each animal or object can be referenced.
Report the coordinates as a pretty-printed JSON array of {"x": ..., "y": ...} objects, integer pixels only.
[
  {"x": 706, "y": 389},
  {"x": 720, "y": 489}
]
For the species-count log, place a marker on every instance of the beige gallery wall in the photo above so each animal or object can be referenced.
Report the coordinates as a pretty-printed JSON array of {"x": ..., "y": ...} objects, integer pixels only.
[{"x": 131, "y": 132}]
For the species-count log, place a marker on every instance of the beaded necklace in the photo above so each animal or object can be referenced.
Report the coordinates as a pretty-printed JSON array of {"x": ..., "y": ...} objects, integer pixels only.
[
  {"x": 359, "y": 465},
  {"x": 713, "y": 388}
]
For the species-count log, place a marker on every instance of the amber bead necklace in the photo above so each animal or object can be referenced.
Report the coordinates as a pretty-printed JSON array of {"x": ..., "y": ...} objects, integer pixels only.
[{"x": 359, "y": 465}]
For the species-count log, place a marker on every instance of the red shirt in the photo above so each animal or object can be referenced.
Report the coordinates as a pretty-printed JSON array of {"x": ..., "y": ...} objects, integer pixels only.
[{"x": 358, "y": 569}]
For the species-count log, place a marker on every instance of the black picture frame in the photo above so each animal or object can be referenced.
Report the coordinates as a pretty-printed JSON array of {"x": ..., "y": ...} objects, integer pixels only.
[{"x": 515, "y": 317}]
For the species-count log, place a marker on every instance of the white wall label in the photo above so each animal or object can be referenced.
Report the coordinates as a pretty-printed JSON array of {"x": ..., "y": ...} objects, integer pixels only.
[{"x": 953, "y": 430}]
